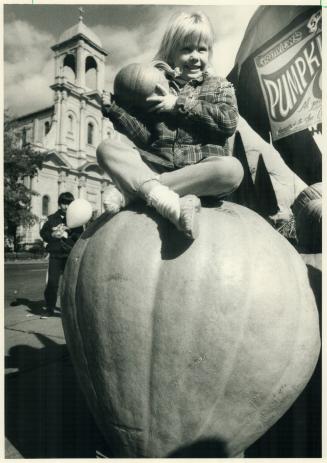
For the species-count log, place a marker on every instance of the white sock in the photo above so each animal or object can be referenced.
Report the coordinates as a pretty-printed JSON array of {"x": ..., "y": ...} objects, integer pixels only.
[{"x": 165, "y": 201}]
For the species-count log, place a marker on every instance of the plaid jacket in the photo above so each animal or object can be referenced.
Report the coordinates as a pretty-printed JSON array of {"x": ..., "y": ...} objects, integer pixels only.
[{"x": 205, "y": 116}]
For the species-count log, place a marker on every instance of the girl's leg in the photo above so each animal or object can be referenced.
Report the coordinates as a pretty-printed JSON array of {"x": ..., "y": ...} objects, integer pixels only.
[
  {"x": 125, "y": 166},
  {"x": 214, "y": 176},
  {"x": 135, "y": 178}
]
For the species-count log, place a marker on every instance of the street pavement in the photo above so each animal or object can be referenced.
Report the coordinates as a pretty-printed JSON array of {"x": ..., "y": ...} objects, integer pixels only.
[{"x": 45, "y": 413}]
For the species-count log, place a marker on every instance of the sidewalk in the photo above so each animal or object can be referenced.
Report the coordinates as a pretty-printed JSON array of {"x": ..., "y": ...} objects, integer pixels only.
[{"x": 46, "y": 415}]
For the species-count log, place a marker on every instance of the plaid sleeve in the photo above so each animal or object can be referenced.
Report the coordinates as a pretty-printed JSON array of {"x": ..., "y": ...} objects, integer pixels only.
[
  {"x": 127, "y": 124},
  {"x": 218, "y": 113}
]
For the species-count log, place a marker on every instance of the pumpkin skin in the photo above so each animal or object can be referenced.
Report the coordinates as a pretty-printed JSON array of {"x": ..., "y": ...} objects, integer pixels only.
[
  {"x": 310, "y": 193},
  {"x": 135, "y": 82},
  {"x": 307, "y": 210},
  {"x": 176, "y": 342}
]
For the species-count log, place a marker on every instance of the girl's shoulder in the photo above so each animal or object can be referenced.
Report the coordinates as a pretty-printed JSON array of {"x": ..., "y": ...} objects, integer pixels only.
[
  {"x": 213, "y": 84},
  {"x": 218, "y": 81}
]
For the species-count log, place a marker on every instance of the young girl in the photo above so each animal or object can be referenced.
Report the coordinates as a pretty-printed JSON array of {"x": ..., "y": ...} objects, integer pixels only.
[{"x": 180, "y": 151}]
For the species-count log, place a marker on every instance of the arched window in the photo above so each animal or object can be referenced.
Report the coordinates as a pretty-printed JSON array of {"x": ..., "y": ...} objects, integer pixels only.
[
  {"x": 46, "y": 127},
  {"x": 45, "y": 205},
  {"x": 24, "y": 137},
  {"x": 91, "y": 72},
  {"x": 69, "y": 68},
  {"x": 70, "y": 123},
  {"x": 90, "y": 133}
]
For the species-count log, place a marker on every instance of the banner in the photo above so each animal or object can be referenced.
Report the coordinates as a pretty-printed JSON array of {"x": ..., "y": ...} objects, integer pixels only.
[{"x": 290, "y": 77}]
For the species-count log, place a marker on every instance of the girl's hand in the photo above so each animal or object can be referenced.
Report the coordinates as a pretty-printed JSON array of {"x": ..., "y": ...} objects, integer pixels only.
[
  {"x": 106, "y": 101},
  {"x": 162, "y": 103},
  {"x": 106, "y": 98}
]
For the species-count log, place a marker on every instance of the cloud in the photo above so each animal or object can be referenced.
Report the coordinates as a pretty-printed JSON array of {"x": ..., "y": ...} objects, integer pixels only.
[
  {"x": 28, "y": 95},
  {"x": 29, "y": 59},
  {"x": 28, "y": 67},
  {"x": 140, "y": 43},
  {"x": 22, "y": 42},
  {"x": 126, "y": 45},
  {"x": 122, "y": 43}
]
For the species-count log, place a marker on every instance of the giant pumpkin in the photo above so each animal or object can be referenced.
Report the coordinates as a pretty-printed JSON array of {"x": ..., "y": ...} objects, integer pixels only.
[{"x": 180, "y": 344}]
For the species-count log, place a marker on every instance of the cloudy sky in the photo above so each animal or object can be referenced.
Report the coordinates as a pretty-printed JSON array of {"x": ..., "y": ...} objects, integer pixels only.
[{"x": 128, "y": 32}]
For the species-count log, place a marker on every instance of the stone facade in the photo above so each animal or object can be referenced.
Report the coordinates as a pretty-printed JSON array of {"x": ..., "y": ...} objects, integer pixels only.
[{"x": 69, "y": 131}]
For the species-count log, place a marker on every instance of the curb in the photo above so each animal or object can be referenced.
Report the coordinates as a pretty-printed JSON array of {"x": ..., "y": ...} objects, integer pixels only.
[{"x": 27, "y": 261}]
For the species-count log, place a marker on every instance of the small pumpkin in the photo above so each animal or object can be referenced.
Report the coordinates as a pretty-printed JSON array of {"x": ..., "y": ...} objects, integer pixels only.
[
  {"x": 307, "y": 210},
  {"x": 308, "y": 194},
  {"x": 135, "y": 82},
  {"x": 179, "y": 343}
]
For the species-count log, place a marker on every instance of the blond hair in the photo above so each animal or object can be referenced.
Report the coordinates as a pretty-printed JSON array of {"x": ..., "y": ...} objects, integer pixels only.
[{"x": 185, "y": 29}]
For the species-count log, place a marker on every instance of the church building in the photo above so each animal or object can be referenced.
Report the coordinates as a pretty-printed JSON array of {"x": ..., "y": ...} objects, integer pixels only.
[{"x": 69, "y": 131}]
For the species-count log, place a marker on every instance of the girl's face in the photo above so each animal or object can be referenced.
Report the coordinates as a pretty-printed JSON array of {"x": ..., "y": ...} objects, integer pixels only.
[{"x": 192, "y": 60}]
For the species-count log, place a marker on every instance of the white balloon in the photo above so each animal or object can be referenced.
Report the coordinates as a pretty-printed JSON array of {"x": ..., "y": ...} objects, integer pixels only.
[{"x": 78, "y": 213}]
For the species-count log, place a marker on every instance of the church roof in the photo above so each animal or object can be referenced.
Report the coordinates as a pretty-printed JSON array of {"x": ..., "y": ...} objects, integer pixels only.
[
  {"x": 80, "y": 29},
  {"x": 35, "y": 113}
]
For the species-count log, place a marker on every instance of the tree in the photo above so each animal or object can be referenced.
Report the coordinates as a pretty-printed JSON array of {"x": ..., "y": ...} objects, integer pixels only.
[{"x": 20, "y": 164}]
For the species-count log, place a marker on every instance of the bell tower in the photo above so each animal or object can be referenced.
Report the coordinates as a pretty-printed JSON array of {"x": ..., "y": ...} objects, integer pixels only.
[
  {"x": 69, "y": 131},
  {"x": 78, "y": 125},
  {"x": 78, "y": 52}
]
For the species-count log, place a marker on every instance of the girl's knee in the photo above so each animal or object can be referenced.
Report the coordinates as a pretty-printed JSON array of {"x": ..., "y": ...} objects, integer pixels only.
[
  {"x": 227, "y": 170},
  {"x": 110, "y": 151},
  {"x": 236, "y": 172},
  {"x": 107, "y": 151}
]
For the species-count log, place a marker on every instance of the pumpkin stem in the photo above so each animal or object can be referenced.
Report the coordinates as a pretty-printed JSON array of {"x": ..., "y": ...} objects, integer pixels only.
[{"x": 163, "y": 66}]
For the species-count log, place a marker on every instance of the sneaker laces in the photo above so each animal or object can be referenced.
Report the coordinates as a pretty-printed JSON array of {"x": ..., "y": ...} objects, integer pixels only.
[{"x": 166, "y": 202}]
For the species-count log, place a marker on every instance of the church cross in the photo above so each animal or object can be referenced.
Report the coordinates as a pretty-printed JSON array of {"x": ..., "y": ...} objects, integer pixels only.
[{"x": 81, "y": 11}]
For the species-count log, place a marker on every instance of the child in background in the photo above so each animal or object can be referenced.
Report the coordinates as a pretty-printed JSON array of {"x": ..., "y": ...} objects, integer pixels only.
[
  {"x": 60, "y": 241},
  {"x": 181, "y": 150}
]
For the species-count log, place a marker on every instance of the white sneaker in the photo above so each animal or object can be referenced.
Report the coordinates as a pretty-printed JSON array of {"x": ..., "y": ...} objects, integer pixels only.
[
  {"x": 182, "y": 212},
  {"x": 189, "y": 221},
  {"x": 114, "y": 200}
]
